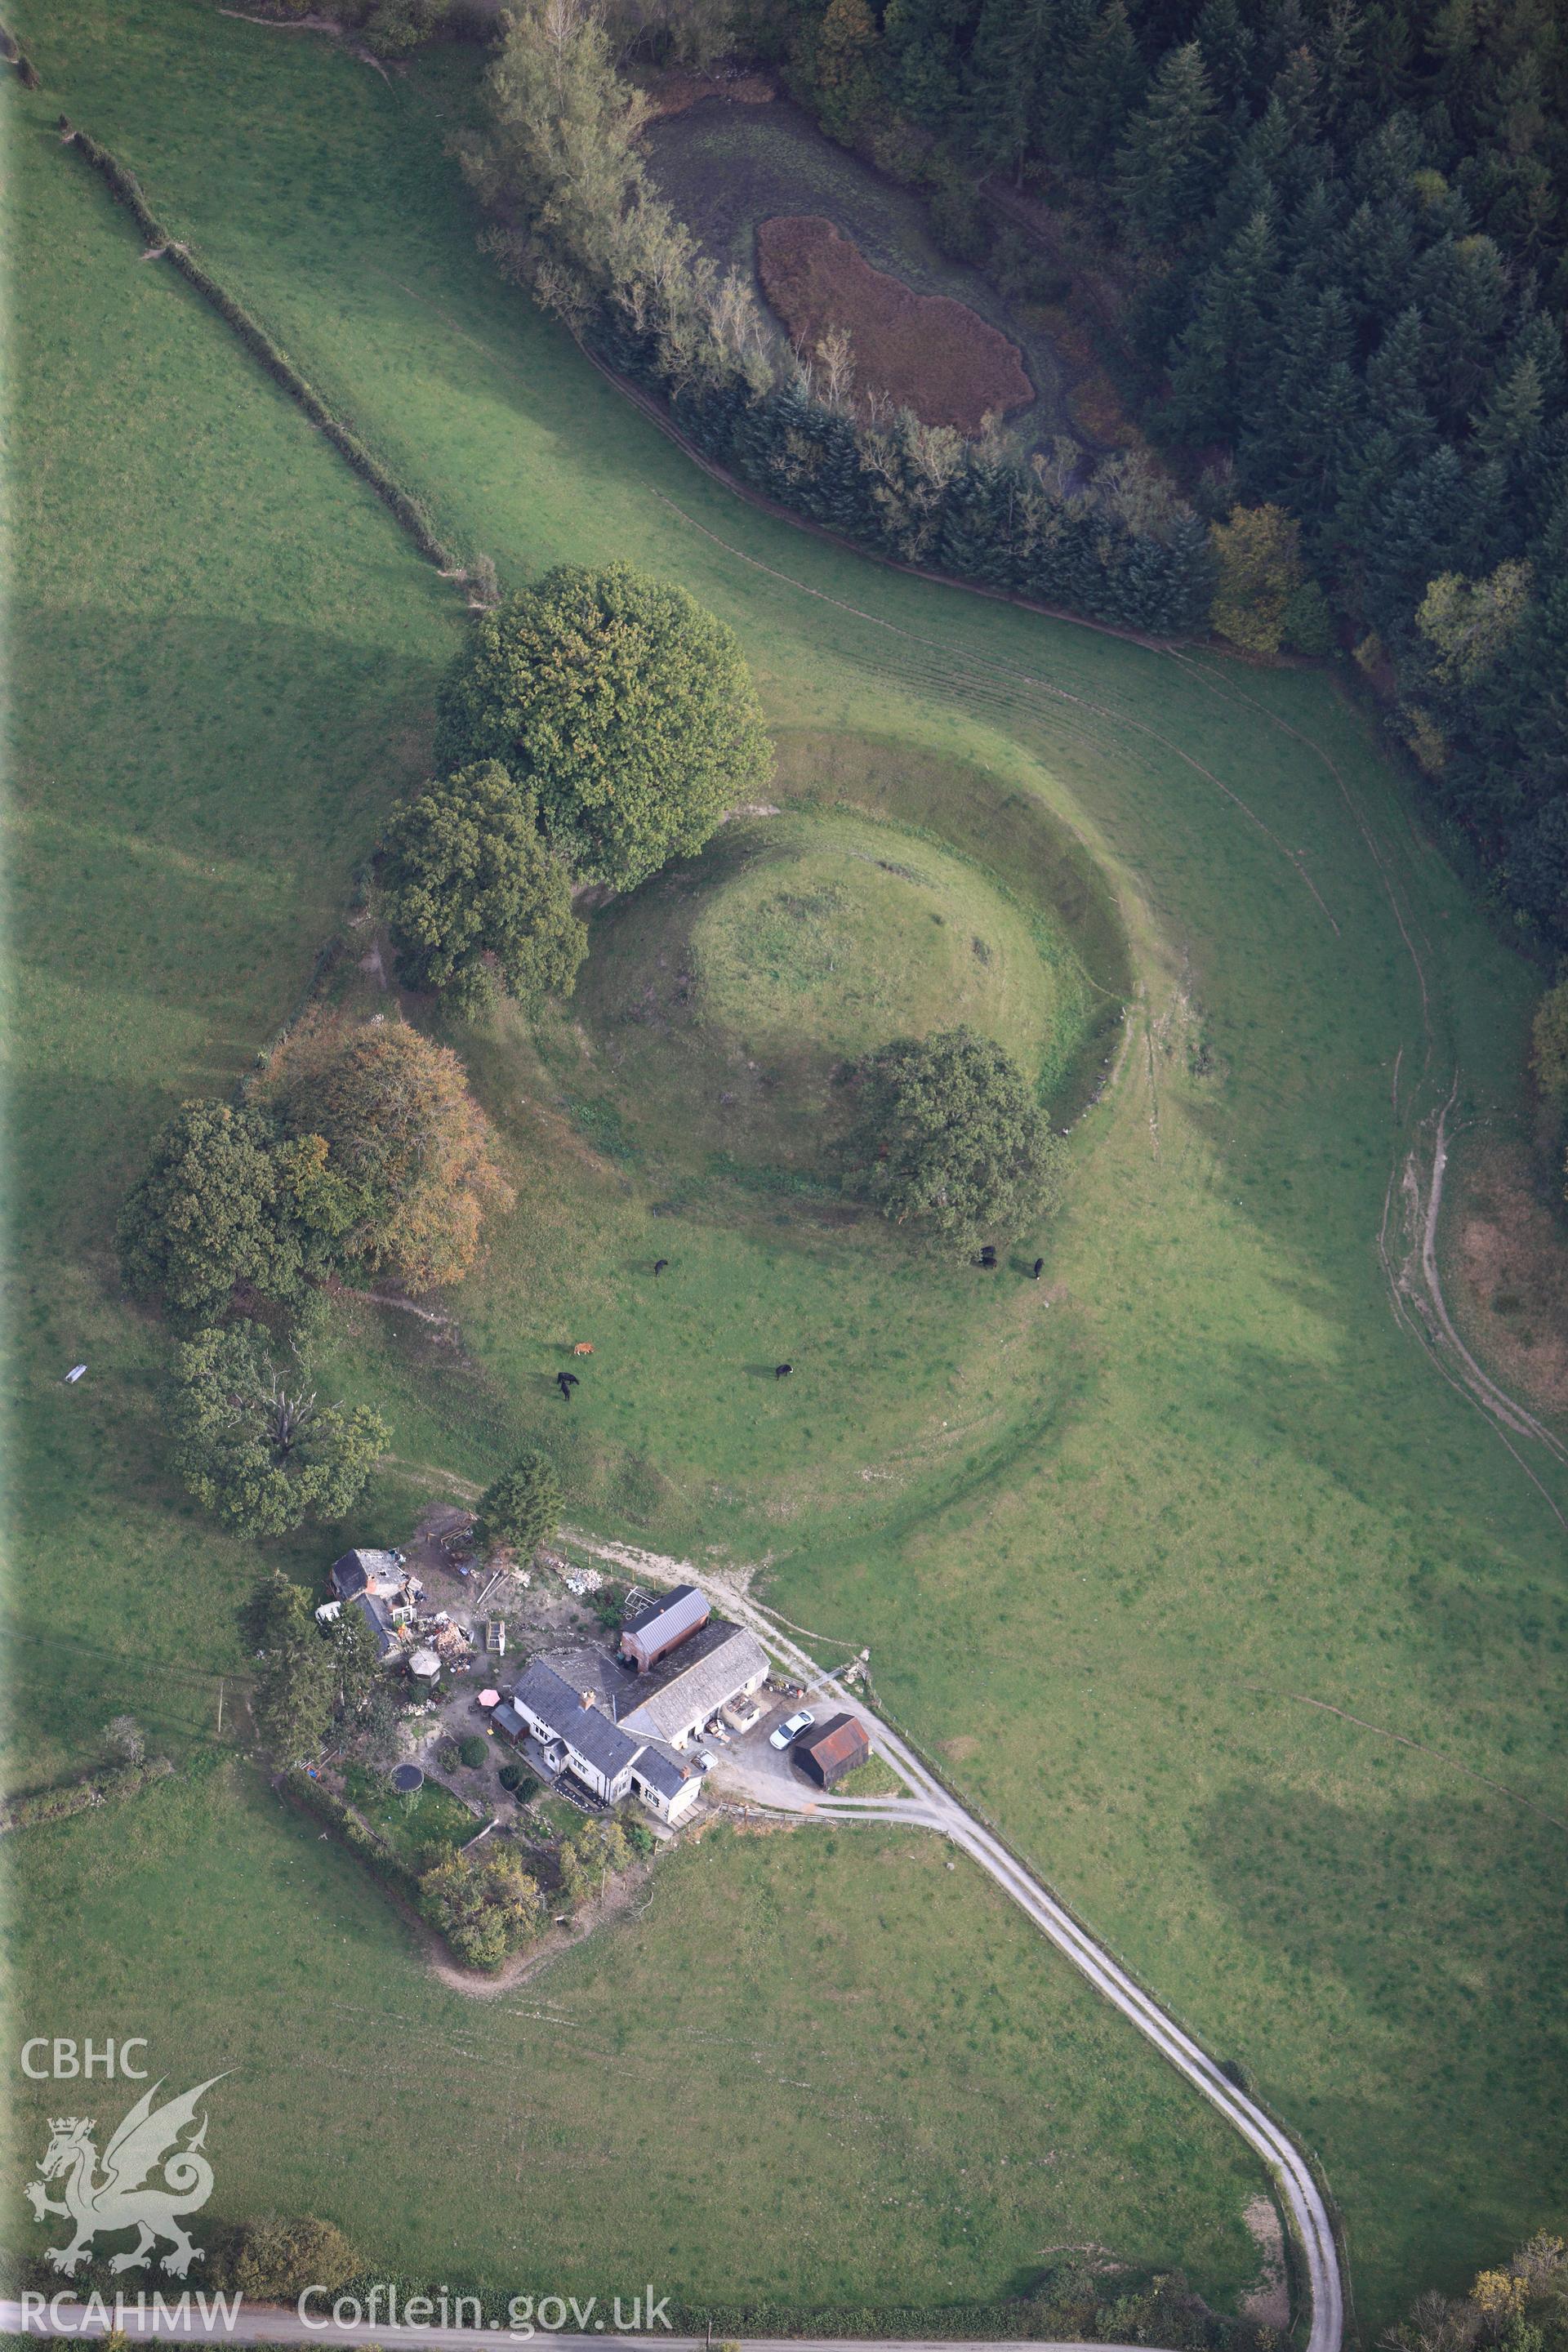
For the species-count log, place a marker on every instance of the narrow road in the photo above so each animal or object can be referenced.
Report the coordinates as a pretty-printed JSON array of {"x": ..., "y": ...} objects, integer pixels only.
[
  {"x": 65, "y": 2315},
  {"x": 929, "y": 1805}
]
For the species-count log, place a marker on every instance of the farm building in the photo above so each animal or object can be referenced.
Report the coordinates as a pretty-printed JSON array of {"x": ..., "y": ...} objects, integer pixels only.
[
  {"x": 713, "y": 1667},
  {"x": 378, "y": 1584},
  {"x": 380, "y": 1573},
  {"x": 384, "y": 1618},
  {"x": 650, "y": 1633},
  {"x": 833, "y": 1749}
]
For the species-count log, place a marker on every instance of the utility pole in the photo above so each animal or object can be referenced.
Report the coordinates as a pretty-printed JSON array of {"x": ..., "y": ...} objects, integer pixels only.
[{"x": 220, "y": 1706}]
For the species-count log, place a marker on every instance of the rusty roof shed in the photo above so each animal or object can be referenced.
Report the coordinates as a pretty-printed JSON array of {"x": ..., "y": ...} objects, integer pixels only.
[{"x": 832, "y": 1749}]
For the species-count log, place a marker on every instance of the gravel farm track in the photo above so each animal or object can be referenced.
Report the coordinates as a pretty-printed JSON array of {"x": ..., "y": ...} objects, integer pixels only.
[
  {"x": 267, "y": 2324},
  {"x": 929, "y": 1805},
  {"x": 1170, "y": 752}
]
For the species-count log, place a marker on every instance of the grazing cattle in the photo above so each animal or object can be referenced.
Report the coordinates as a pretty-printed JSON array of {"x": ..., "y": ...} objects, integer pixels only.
[
  {"x": 584, "y": 1348},
  {"x": 988, "y": 1254},
  {"x": 566, "y": 1382},
  {"x": 782, "y": 1371},
  {"x": 1037, "y": 1269},
  {"x": 659, "y": 1264}
]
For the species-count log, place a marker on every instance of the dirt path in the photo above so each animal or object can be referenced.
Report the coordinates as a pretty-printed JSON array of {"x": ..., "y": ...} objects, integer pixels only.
[
  {"x": 1417, "y": 1180},
  {"x": 265, "y": 2324}
]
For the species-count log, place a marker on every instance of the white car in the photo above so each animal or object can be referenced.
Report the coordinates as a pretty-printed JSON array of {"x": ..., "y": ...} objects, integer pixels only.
[
  {"x": 790, "y": 1730},
  {"x": 706, "y": 1761}
]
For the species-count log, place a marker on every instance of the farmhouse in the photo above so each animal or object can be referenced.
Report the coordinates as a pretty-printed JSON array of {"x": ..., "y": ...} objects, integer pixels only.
[
  {"x": 650, "y": 1633},
  {"x": 834, "y": 1749},
  {"x": 379, "y": 1573},
  {"x": 576, "y": 1733}
]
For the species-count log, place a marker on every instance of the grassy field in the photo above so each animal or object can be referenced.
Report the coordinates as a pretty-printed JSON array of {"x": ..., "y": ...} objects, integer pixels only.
[
  {"x": 840, "y": 937},
  {"x": 189, "y": 816},
  {"x": 1196, "y": 1490},
  {"x": 812, "y": 2068}
]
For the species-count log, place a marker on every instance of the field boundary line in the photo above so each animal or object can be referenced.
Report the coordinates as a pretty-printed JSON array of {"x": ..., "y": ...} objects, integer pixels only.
[{"x": 274, "y": 361}]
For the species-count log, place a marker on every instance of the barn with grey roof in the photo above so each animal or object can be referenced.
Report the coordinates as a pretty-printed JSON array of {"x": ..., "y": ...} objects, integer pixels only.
[{"x": 720, "y": 1663}]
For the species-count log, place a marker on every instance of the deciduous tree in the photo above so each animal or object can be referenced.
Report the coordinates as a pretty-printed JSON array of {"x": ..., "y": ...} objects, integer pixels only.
[
  {"x": 626, "y": 709},
  {"x": 486, "y": 1909},
  {"x": 206, "y": 1216},
  {"x": 590, "y": 1857},
  {"x": 406, "y": 1145},
  {"x": 1259, "y": 555},
  {"x": 260, "y": 1450},
  {"x": 475, "y": 903},
  {"x": 949, "y": 1140}
]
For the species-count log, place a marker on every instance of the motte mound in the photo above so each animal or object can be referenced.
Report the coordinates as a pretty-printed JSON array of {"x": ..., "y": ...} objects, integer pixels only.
[{"x": 729, "y": 996}]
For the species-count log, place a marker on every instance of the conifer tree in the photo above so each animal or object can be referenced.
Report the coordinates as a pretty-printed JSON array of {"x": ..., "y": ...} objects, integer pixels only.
[{"x": 1165, "y": 164}]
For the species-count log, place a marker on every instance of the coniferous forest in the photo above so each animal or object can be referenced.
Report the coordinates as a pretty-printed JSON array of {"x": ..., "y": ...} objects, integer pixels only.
[{"x": 1341, "y": 228}]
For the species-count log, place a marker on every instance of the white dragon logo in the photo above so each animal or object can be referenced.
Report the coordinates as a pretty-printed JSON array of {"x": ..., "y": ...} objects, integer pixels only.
[{"x": 126, "y": 2197}]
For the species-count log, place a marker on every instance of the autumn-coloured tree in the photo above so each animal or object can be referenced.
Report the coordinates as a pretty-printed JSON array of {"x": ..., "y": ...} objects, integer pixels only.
[
  {"x": 406, "y": 1142},
  {"x": 486, "y": 1908},
  {"x": 1259, "y": 556}
]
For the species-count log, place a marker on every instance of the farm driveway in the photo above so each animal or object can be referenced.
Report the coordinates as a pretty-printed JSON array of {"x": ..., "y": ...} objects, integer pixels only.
[{"x": 929, "y": 1805}]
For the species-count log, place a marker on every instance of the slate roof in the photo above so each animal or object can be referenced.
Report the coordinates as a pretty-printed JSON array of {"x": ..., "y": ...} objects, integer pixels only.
[
  {"x": 661, "y": 1770},
  {"x": 705, "y": 1672},
  {"x": 381, "y": 1624},
  {"x": 356, "y": 1571},
  {"x": 681, "y": 1612},
  {"x": 559, "y": 1704}
]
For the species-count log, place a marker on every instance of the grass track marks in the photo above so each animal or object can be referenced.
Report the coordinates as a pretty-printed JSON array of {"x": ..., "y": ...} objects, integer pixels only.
[{"x": 959, "y": 678}]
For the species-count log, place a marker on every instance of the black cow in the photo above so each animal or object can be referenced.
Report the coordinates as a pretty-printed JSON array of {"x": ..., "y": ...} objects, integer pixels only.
[
  {"x": 782, "y": 1371},
  {"x": 1037, "y": 1269},
  {"x": 988, "y": 1254},
  {"x": 566, "y": 1382},
  {"x": 659, "y": 1264}
]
